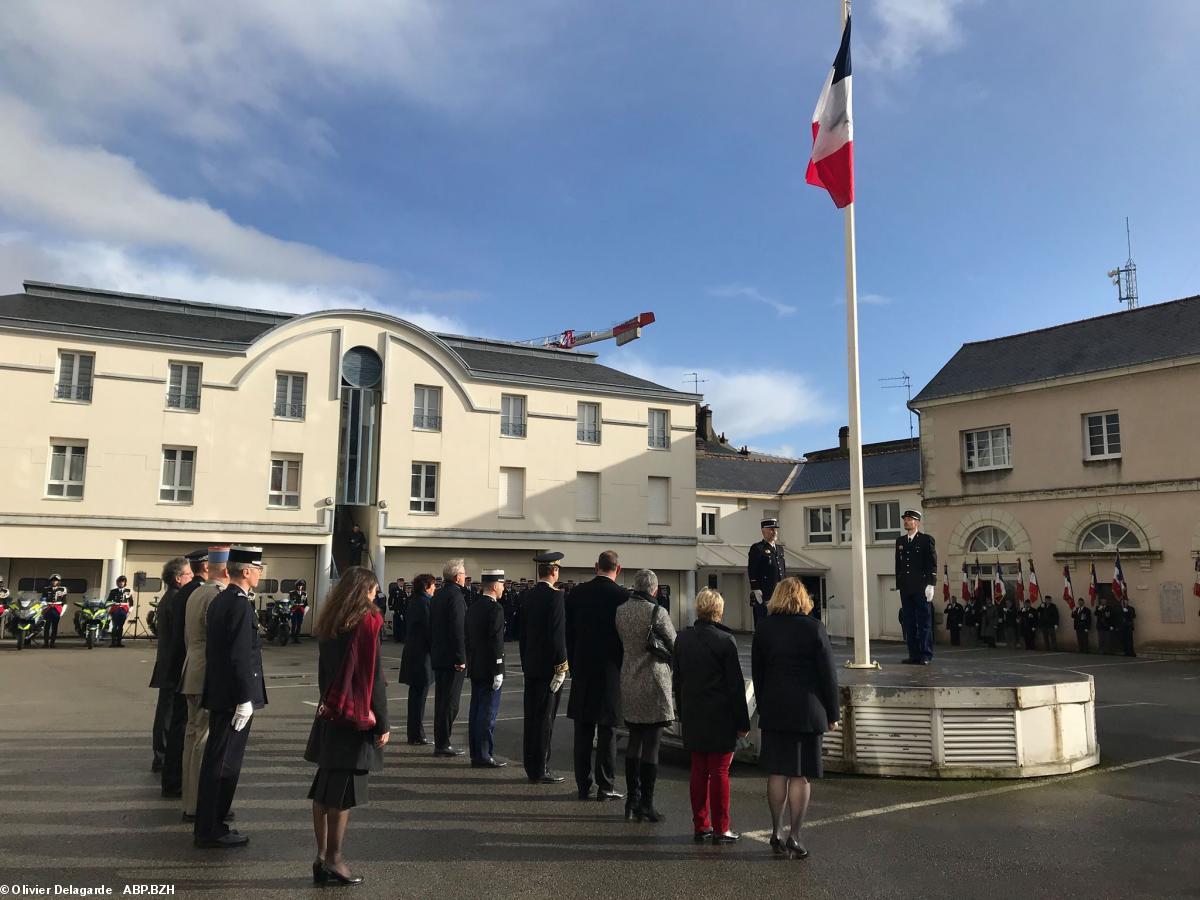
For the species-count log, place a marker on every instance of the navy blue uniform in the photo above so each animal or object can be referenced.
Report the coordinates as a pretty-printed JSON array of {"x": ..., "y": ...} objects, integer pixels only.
[
  {"x": 916, "y": 569},
  {"x": 485, "y": 660},
  {"x": 766, "y": 567}
]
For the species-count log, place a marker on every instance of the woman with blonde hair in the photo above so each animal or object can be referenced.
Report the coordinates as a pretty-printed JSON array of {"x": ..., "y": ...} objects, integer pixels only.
[
  {"x": 351, "y": 725},
  {"x": 711, "y": 696},
  {"x": 796, "y": 688}
]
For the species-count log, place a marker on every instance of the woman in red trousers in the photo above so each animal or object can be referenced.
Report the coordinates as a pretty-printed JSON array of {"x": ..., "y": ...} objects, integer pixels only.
[{"x": 711, "y": 693}]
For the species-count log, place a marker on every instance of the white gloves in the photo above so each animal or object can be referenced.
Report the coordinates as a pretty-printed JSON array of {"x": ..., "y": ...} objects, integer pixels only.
[
  {"x": 496, "y": 682},
  {"x": 757, "y": 595},
  {"x": 929, "y": 593},
  {"x": 241, "y": 715},
  {"x": 557, "y": 682}
]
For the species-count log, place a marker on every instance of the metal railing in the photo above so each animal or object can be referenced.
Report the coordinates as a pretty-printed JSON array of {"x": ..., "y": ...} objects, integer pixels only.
[
  {"x": 658, "y": 440},
  {"x": 512, "y": 429},
  {"x": 73, "y": 392},
  {"x": 429, "y": 423},
  {"x": 180, "y": 400},
  {"x": 289, "y": 410},
  {"x": 588, "y": 435}
]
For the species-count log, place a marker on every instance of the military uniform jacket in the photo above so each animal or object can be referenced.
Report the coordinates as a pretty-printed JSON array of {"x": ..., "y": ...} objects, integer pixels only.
[
  {"x": 970, "y": 615},
  {"x": 1127, "y": 615},
  {"x": 954, "y": 615},
  {"x": 485, "y": 639},
  {"x": 766, "y": 567},
  {"x": 232, "y": 654},
  {"x": 447, "y": 621},
  {"x": 1048, "y": 615},
  {"x": 169, "y": 620},
  {"x": 1029, "y": 619},
  {"x": 414, "y": 661},
  {"x": 298, "y": 598},
  {"x": 1104, "y": 618},
  {"x": 543, "y": 637},
  {"x": 1083, "y": 618},
  {"x": 195, "y": 637},
  {"x": 395, "y": 599},
  {"x": 916, "y": 563}
]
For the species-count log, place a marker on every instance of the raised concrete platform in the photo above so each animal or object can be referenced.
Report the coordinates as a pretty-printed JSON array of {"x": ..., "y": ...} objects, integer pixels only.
[{"x": 958, "y": 718}]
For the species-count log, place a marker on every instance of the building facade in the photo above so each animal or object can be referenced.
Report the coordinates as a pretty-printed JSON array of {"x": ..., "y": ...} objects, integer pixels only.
[
  {"x": 138, "y": 428},
  {"x": 1066, "y": 445}
]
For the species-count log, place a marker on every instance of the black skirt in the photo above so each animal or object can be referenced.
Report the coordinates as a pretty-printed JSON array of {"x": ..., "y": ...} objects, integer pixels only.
[
  {"x": 793, "y": 754},
  {"x": 339, "y": 788}
]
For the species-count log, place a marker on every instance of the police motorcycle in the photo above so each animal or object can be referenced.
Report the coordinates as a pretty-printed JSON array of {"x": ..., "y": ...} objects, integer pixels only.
[
  {"x": 152, "y": 617},
  {"x": 26, "y": 618},
  {"x": 277, "y": 620},
  {"x": 93, "y": 619}
]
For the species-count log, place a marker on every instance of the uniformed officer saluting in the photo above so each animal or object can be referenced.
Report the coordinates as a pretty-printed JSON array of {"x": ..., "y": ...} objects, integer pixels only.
[
  {"x": 766, "y": 567},
  {"x": 916, "y": 576}
]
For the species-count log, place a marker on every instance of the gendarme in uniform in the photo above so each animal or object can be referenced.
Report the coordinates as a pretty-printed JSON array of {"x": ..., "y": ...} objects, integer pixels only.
[
  {"x": 916, "y": 577},
  {"x": 766, "y": 567}
]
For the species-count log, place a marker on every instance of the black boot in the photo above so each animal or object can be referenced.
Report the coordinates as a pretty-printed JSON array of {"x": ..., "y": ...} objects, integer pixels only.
[
  {"x": 649, "y": 776},
  {"x": 633, "y": 789}
]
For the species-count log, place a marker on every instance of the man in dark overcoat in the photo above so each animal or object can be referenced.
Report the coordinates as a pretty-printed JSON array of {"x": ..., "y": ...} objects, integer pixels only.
[
  {"x": 415, "y": 670},
  {"x": 543, "y": 641},
  {"x": 448, "y": 653},
  {"x": 175, "y": 575}
]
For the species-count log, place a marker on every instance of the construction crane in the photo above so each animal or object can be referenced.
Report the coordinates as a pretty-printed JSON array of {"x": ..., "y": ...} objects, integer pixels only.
[{"x": 623, "y": 332}]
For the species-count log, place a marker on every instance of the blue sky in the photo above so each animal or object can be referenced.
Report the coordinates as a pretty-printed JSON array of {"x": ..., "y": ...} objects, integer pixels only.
[{"x": 510, "y": 170}]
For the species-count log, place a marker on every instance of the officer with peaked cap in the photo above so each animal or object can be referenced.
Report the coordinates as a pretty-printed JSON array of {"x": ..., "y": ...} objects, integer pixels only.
[
  {"x": 233, "y": 689},
  {"x": 53, "y": 596},
  {"x": 118, "y": 601},
  {"x": 485, "y": 667},
  {"x": 916, "y": 577},
  {"x": 543, "y": 641},
  {"x": 766, "y": 567}
]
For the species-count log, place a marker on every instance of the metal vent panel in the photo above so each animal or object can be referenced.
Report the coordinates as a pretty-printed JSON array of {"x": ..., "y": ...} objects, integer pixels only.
[
  {"x": 893, "y": 736},
  {"x": 975, "y": 737},
  {"x": 833, "y": 744}
]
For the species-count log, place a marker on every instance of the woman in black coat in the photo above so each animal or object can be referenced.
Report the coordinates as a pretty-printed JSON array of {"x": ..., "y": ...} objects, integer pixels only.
[
  {"x": 711, "y": 705},
  {"x": 348, "y": 631},
  {"x": 796, "y": 689}
]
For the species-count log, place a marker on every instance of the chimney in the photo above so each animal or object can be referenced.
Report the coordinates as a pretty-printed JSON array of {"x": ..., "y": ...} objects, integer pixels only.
[
  {"x": 844, "y": 438},
  {"x": 704, "y": 425}
]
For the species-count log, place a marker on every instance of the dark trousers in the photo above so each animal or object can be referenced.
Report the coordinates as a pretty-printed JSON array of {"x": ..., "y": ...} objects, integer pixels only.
[
  {"x": 955, "y": 637},
  {"x": 1105, "y": 640},
  {"x": 297, "y": 621},
  {"x": 397, "y": 627},
  {"x": 50, "y": 627},
  {"x": 709, "y": 789},
  {"x": 172, "y": 773},
  {"x": 918, "y": 624},
  {"x": 1030, "y": 639},
  {"x": 1081, "y": 638},
  {"x": 118, "y": 624},
  {"x": 162, "y": 724},
  {"x": 1127, "y": 642},
  {"x": 219, "y": 773},
  {"x": 606, "y": 756},
  {"x": 481, "y": 730},
  {"x": 418, "y": 693},
  {"x": 447, "y": 688},
  {"x": 1050, "y": 638},
  {"x": 541, "y": 706},
  {"x": 759, "y": 610}
]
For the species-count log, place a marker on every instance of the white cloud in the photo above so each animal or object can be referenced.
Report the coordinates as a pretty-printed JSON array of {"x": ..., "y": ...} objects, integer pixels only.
[
  {"x": 865, "y": 300},
  {"x": 911, "y": 30},
  {"x": 746, "y": 403},
  {"x": 92, "y": 264},
  {"x": 749, "y": 292}
]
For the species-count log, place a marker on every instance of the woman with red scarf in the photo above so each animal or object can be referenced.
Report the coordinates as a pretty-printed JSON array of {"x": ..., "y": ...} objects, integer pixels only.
[{"x": 351, "y": 726}]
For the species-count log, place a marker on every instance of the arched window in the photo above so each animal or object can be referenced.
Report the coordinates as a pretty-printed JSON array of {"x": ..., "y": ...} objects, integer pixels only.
[
  {"x": 989, "y": 539},
  {"x": 1109, "y": 537}
]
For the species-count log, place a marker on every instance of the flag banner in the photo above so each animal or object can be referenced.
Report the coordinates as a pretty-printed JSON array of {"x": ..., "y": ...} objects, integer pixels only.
[
  {"x": 1118, "y": 582},
  {"x": 1035, "y": 593},
  {"x": 1196, "y": 586},
  {"x": 832, "y": 163},
  {"x": 998, "y": 584},
  {"x": 966, "y": 582},
  {"x": 1020, "y": 583},
  {"x": 1068, "y": 590},
  {"x": 1093, "y": 587},
  {"x": 978, "y": 579},
  {"x": 946, "y": 582}
]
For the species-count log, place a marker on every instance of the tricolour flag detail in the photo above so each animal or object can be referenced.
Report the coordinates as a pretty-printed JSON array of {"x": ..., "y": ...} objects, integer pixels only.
[
  {"x": 998, "y": 588},
  {"x": 1068, "y": 590},
  {"x": 966, "y": 582},
  {"x": 1196, "y": 586},
  {"x": 1118, "y": 582},
  {"x": 946, "y": 582},
  {"x": 832, "y": 163},
  {"x": 1020, "y": 582},
  {"x": 1035, "y": 593},
  {"x": 1093, "y": 587}
]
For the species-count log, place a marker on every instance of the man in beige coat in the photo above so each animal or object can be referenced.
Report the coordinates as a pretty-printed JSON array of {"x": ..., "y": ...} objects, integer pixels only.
[{"x": 195, "y": 625}]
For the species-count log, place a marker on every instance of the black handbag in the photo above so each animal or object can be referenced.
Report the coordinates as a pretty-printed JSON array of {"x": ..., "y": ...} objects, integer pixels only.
[{"x": 654, "y": 644}]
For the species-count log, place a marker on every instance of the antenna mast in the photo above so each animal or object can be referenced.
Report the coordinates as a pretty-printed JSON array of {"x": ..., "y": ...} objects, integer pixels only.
[
  {"x": 1125, "y": 278},
  {"x": 906, "y": 383}
]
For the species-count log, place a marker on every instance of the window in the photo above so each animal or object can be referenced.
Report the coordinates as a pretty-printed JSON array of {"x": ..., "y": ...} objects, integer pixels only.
[
  {"x": 178, "y": 473},
  {"x": 427, "y": 408},
  {"x": 587, "y": 496},
  {"x": 68, "y": 464},
  {"x": 183, "y": 388},
  {"x": 843, "y": 520},
  {"x": 285, "y": 482},
  {"x": 708, "y": 521},
  {"x": 512, "y": 493},
  {"x": 658, "y": 492},
  {"x": 820, "y": 525},
  {"x": 990, "y": 448},
  {"x": 1109, "y": 537},
  {"x": 989, "y": 539},
  {"x": 289, "y": 395},
  {"x": 1102, "y": 435},
  {"x": 512, "y": 415},
  {"x": 660, "y": 429},
  {"x": 588, "y": 424},
  {"x": 74, "y": 376},
  {"x": 885, "y": 521},
  {"x": 424, "y": 488}
]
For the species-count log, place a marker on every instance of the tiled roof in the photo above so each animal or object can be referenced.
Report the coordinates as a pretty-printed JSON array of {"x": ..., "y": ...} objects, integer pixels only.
[
  {"x": 735, "y": 474},
  {"x": 879, "y": 470}
]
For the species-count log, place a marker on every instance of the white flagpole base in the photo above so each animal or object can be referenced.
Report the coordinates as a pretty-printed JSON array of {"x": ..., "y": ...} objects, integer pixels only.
[{"x": 873, "y": 664}]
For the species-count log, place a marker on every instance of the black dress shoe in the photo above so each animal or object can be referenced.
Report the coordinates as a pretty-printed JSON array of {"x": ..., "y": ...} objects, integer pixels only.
[
  {"x": 448, "y": 751},
  {"x": 224, "y": 842},
  {"x": 794, "y": 850},
  {"x": 548, "y": 778},
  {"x": 488, "y": 764},
  {"x": 726, "y": 837},
  {"x": 337, "y": 878},
  {"x": 700, "y": 836},
  {"x": 585, "y": 794},
  {"x": 320, "y": 876},
  {"x": 418, "y": 742},
  {"x": 604, "y": 796},
  {"x": 926, "y": 662}
]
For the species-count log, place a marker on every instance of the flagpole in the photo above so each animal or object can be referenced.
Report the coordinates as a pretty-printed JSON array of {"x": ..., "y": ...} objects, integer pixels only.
[{"x": 858, "y": 522}]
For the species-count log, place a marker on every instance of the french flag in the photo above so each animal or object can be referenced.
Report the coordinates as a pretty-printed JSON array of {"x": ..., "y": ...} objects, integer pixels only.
[
  {"x": 966, "y": 587},
  {"x": 1034, "y": 593},
  {"x": 1196, "y": 586},
  {"x": 1068, "y": 589},
  {"x": 946, "y": 582},
  {"x": 832, "y": 163},
  {"x": 1118, "y": 582},
  {"x": 1093, "y": 587},
  {"x": 998, "y": 588},
  {"x": 1020, "y": 582}
]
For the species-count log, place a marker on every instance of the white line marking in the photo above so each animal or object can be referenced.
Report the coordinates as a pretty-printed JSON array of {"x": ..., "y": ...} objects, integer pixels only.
[
  {"x": 310, "y": 702},
  {"x": 1131, "y": 703},
  {"x": 764, "y": 836},
  {"x": 1194, "y": 762}
]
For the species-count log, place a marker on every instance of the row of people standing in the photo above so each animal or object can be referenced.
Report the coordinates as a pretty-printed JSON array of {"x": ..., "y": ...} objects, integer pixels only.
[{"x": 990, "y": 623}]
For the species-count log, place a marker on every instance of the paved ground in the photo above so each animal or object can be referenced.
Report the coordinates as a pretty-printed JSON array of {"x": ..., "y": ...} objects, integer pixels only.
[{"x": 80, "y": 806}]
